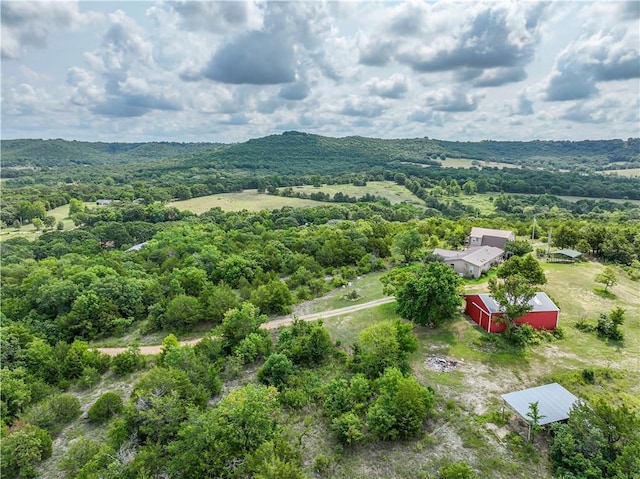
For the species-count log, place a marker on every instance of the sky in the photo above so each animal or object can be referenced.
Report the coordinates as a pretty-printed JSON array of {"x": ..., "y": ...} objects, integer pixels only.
[{"x": 230, "y": 71}]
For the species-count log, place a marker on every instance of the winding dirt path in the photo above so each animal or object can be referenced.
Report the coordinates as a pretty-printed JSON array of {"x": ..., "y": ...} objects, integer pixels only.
[{"x": 273, "y": 324}]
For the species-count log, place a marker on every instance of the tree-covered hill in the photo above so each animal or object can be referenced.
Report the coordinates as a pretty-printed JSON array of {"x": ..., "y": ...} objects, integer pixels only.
[
  {"x": 295, "y": 153},
  {"x": 302, "y": 153},
  {"x": 59, "y": 153}
]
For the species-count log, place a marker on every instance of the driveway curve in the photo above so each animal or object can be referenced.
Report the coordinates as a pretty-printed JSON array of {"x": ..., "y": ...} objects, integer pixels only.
[{"x": 273, "y": 324}]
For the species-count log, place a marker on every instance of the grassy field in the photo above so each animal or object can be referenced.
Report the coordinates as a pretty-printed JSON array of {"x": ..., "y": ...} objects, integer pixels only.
[
  {"x": 61, "y": 213},
  {"x": 251, "y": 200},
  {"x": 387, "y": 189},
  {"x": 466, "y": 163},
  {"x": 627, "y": 172}
]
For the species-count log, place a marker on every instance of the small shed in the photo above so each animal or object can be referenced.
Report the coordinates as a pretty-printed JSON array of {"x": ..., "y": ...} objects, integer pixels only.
[
  {"x": 484, "y": 310},
  {"x": 554, "y": 403},
  {"x": 566, "y": 255}
]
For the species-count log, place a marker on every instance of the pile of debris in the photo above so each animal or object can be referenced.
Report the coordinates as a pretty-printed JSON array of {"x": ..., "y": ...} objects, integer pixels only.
[{"x": 441, "y": 364}]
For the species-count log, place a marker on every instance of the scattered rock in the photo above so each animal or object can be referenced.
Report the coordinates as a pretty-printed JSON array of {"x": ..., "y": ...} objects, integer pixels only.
[{"x": 441, "y": 364}]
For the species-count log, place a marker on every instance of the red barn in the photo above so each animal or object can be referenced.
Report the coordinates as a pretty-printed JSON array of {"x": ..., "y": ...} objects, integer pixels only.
[{"x": 483, "y": 309}]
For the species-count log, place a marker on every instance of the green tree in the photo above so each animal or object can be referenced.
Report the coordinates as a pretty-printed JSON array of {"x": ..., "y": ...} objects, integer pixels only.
[
  {"x": 431, "y": 296},
  {"x": 513, "y": 295},
  {"x": 401, "y": 407},
  {"x": 53, "y": 413},
  {"x": 217, "y": 300},
  {"x": 533, "y": 418},
  {"x": 182, "y": 312},
  {"x": 216, "y": 442},
  {"x": 276, "y": 370},
  {"x": 75, "y": 206},
  {"x": 470, "y": 187},
  {"x": 567, "y": 236},
  {"x": 598, "y": 441},
  {"x": 127, "y": 361},
  {"x": 105, "y": 407},
  {"x": 23, "y": 449},
  {"x": 383, "y": 345},
  {"x": 37, "y": 223},
  {"x": 49, "y": 221},
  {"x": 348, "y": 429},
  {"x": 607, "y": 277},
  {"x": 407, "y": 243},
  {"x": 518, "y": 247},
  {"x": 527, "y": 267},
  {"x": 272, "y": 298},
  {"x": 239, "y": 323}
]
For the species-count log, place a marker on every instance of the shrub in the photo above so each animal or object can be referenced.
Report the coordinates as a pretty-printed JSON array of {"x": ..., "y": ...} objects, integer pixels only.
[
  {"x": 53, "y": 413},
  {"x": 107, "y": 405},
  {"x": 90, "y": 377},
  {"x": 588, "y": 375},
  {"x": 348, "y": 429},
  {"x": 456, "y": 470},
  {"x": 22, "y": 449},
  {"x": 276, "y": 370},
  {"x": 127, "y": 361},
  {"x": 79, "y": 453}
]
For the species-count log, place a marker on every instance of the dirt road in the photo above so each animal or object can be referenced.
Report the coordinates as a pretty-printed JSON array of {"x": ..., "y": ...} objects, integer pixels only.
[{"x": 276, "y": 323}]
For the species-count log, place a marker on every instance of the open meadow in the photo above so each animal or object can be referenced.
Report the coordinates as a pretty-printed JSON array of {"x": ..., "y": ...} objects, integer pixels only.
[{"x": 251, "y": 200}]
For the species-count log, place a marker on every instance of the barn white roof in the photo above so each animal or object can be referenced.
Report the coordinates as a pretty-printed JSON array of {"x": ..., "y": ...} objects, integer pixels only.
[{"x": 554, "y": 402}]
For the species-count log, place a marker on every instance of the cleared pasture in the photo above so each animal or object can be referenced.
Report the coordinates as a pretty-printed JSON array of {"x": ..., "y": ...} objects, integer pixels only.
[
  {"x": 251, "y": 200},
  {"x": 623, "y": 172}
]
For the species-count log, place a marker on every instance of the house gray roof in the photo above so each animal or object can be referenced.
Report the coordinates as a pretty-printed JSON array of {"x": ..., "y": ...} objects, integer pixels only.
[
  {"x": 483, "y": 255},
  {"x": 453, "y": 254},
  {"x": 540, "y": 302},
  {"x": 477, "y": 255},
  {"x": 477, "y": 232},
  {"x": 554, "y": 402}
]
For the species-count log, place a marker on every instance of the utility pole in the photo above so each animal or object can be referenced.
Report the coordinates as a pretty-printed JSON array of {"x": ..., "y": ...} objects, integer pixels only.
[
  {"x": 533, "y": 230},
  {"x": 549, "y": 244}
]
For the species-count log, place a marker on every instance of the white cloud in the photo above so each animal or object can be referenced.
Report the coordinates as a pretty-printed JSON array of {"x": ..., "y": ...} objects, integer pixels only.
[{"x": 228, "y": 71}]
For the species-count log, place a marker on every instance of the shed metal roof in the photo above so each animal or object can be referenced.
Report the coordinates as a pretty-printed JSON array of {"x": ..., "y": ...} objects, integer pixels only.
[
  {"x": 540, "y": 302},
  {"x": 571, "y": 253},
  {"x": 554, "y": 402}
]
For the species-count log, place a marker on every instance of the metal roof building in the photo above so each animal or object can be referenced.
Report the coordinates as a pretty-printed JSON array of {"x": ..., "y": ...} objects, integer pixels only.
[{"x": 554, "y": 402}]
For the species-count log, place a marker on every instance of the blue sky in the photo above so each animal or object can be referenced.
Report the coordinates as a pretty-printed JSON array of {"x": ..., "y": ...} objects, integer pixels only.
[{"x": 230, "y": 71}]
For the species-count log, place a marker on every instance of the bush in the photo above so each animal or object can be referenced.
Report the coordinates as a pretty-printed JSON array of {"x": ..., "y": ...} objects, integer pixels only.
[
  {"x": 588, "y": 375},
  {"x": 107, "y": 405},
  {"x": 53, "y": 413},
  {"x": 348, "y": 429},
  {"x": 22, "y": 449},
  {"x": 276, "y": 370},
  {"x": 127, "y": 361},
  {"x": 456, "y": 470},
  {"x": 90, "y": 377},
  {"x": 79, "y": 453}
]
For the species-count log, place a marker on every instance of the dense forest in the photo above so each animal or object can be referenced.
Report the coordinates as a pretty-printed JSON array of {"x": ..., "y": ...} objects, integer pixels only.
[{"x": 295, "y": 402}]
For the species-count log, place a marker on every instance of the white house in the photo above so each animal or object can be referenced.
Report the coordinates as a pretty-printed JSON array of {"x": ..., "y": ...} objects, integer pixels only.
[
  {"x": 490, "y": 237},
  {"x": 473, "y": 261}
]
